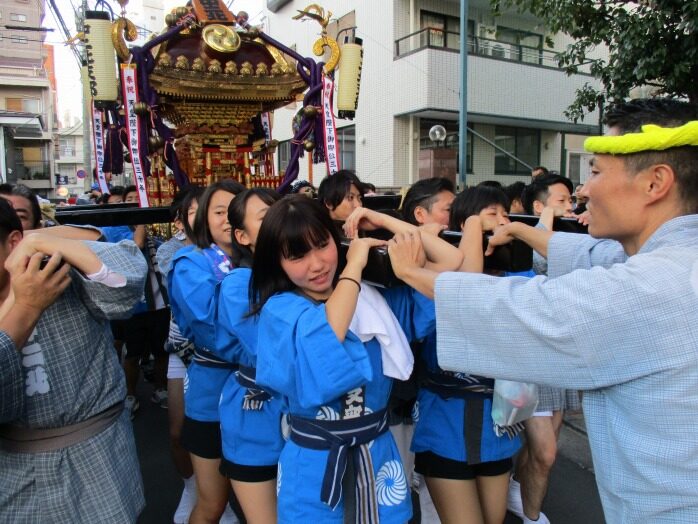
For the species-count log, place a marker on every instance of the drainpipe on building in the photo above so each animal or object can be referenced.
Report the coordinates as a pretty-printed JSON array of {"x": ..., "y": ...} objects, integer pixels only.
[
  {"x": 463, "y": 116},
  {"x": 3, "y": 164}
]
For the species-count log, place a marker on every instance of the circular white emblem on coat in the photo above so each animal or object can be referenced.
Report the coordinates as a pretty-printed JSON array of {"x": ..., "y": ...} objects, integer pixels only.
[
  {"x": 326, "y": 413},
  {"x": 415, "y": 412},
  {"x": 285, "y": 426},
  {"x": 391, "y": 485}
]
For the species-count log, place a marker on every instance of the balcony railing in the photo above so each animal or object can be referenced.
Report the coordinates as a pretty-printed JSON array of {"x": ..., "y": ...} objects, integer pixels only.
[
  {"x": 33, "y": 170},
  {"x": 33, "y": 72},
  {"x": 432, "y": 38}
]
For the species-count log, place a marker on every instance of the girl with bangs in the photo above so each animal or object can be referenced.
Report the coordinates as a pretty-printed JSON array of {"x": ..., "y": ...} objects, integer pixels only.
[
  {"x": 250, "y": 417},
  {"x": 196, "y": 271},
  {"x": 328, "y": 344},
  {"x": 463, "y": 457}
]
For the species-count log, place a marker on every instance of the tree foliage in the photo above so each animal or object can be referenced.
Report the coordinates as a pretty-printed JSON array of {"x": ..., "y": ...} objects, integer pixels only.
[{"x": 650, "y": 43}]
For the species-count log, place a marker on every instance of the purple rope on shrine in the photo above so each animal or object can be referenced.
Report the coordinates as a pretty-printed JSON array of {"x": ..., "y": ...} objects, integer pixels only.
[
  {"x": 319, "y": 153},
  {"x": 113, "y": 150},
  {"x": 146, "y": 63},
  {"x": 313, "y": 77}
]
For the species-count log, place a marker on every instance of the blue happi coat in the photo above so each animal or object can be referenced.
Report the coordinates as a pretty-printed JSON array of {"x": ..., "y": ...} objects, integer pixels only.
[
  {"x": 300, "y": 358},
  {"x": 192, "y": 283},
  {"x": 251, "y": 437}
]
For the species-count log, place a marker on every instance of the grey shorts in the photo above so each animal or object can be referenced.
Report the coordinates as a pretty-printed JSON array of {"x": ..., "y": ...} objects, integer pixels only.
[{"x": 554, "y": 399}]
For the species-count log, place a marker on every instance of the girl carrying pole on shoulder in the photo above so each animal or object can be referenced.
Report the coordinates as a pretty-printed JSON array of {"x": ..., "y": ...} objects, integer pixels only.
[
  {"x": 328, "y": 345},
  {"x": 465, "y": 463},
  {"x": 250, "y": 417},
  {"x": 196, "y": 271}
]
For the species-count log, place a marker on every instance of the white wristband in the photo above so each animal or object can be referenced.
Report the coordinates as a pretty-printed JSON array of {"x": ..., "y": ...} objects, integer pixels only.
[{"x": 107, "y": 277}]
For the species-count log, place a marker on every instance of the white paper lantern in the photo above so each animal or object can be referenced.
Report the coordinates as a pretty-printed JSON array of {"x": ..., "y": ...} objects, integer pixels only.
[
  {"x": 101, "y": 58},
  {"x": 351, "y": 58}
]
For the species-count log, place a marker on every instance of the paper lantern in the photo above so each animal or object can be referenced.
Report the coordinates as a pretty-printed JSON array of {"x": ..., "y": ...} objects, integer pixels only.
[
  {"x": 351, "y": 58},
  {"x": 101, "y": 58}
]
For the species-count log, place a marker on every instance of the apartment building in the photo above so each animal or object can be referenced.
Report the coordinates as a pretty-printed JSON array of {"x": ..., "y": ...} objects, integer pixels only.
[
  {"x": 70, "y": 171},
  {"x": 27, "y": 115},
  {"x": 149, "y": 17},
  {"x": 516, "y": 93}
]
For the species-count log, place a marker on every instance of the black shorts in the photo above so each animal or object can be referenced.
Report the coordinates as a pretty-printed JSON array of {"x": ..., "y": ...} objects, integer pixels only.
[
  {"x": 247, "y": 473},
  {"x": 202, "y": 439},
  {"x": 118, "y": 329},
  {"x": 146, "y": 332},
  {"x": 432, "y": 465}
]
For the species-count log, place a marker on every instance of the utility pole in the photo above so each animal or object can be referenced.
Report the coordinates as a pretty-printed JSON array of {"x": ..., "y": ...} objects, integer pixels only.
[
  {"x": 86, "y": 105},
  {"x": 463, "y": 114}
]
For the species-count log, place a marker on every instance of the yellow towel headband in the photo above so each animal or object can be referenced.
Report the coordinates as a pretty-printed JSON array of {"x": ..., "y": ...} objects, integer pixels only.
[{"x": 652, "y": 138}]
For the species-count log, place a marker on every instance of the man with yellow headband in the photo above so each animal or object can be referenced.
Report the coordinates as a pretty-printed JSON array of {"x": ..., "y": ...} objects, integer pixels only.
[{"x": 627, "y": 334}]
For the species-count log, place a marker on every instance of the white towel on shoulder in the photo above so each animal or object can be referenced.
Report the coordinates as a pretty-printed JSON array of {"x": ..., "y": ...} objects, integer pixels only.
[{"x": 374, "y": 319}]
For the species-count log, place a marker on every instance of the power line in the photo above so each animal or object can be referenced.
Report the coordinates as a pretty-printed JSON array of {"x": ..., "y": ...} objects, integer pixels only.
[{"x": 61, "y": 23}]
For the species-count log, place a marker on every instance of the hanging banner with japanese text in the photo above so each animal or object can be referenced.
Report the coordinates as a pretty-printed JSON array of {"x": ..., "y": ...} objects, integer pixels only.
[
  {"x": 133, "y": 127},
  {"x": 330, "y": 131},
  {"x": 266, "y": 126},
  {"x": 98, "y": 140}
]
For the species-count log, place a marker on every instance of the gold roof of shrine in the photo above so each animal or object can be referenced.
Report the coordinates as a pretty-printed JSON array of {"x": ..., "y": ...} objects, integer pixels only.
[{"x": 220, "y": 71}]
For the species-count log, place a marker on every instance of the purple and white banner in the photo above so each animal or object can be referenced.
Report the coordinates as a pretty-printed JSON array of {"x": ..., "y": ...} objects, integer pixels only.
[
  {"x": 133, "y": 127},
  {"x": 98, "y": 140},
  {"x": 330, "y": 130}
]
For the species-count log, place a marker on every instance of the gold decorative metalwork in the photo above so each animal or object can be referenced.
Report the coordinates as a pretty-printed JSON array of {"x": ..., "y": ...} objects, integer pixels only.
[
  {"x": 319, "y": 49},
  {"x": 165, "y": 60},
  {"x": 317, "y": 13},
  {"x": 221, "y": 38},
  {"x": 262, "y": 69},
  {"x": 123, "y": 28},
  {"x": 214, "y": 66},
  {"x": 199, "y": 65},
  {"x": 182, "y": 62},
  {"x": 246, "y": 69},
  {"x": 231, "y": 68}
]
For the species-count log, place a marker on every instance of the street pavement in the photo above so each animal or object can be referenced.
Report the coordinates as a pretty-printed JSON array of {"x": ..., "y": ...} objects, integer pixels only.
[{"x": 572, "y": 497}]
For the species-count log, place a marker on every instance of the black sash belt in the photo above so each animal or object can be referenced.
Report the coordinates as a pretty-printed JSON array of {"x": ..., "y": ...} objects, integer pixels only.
[
  {"x": 450, "y": 386},
  {"x": 206, "y": 358},
  {"x": 341, "y": 437},
  {"x": 255, "y": 396}
]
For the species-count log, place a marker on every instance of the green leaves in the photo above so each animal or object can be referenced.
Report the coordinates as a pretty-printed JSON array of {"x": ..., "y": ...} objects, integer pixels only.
[{"x": 649, "y": 42}]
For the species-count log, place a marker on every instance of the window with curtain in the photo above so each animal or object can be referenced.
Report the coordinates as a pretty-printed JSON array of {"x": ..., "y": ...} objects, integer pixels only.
[
  {"x": 523, "y": 143},
  {"x": 445, "y": 30}
]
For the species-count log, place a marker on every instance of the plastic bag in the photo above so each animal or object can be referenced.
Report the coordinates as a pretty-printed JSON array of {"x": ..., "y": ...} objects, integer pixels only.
[{"x": 513, "y": 402}]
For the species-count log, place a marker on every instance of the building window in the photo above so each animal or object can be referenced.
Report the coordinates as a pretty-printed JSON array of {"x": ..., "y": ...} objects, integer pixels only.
[
  {"x": 24, "y": 105},
  {"x": 67, "y": 147},
  {"x": 17, "y": 39},
  {"x": 451, "y": 141},
  {"x": 523, "y": 46},
  {"x": 347, "y": 147},
  {"x": 444, "y": 30},
  {"x": 523, "y": 143},
  {"x": 18, "y": 17},
  {"x": 283, "y": 154}
]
